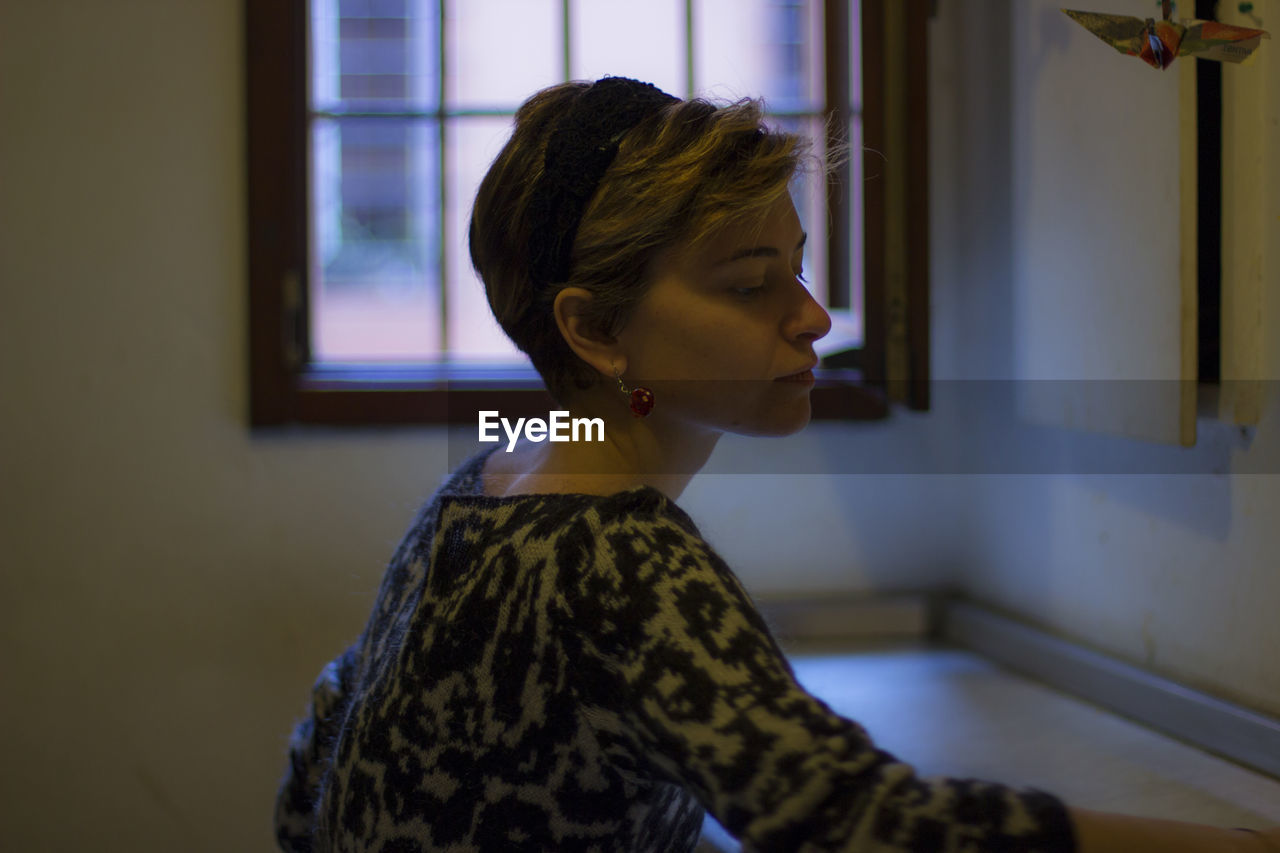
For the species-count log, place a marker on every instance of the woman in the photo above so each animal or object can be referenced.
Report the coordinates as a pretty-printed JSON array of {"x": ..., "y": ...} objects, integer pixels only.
[{"x": 556, "y": 659}]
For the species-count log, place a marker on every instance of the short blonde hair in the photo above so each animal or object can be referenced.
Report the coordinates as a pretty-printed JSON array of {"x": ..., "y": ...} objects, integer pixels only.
[{"x": 680, "y": 176}]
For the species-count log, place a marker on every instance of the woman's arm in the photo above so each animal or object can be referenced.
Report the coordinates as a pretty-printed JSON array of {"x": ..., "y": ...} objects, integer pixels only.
[
  {"x": 682, "y": 669},
  {"x": 1102, "y": 832},
  {"x": 678, "y": 674},
  {"x": 309, "y": 750}
]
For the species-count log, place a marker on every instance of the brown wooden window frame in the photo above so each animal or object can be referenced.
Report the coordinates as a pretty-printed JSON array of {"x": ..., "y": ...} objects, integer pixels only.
[{"x": 891, "y": 365}]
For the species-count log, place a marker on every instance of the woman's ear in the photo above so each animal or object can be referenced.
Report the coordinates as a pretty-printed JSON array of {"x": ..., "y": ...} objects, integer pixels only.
[{"x": 588, "y": 342}]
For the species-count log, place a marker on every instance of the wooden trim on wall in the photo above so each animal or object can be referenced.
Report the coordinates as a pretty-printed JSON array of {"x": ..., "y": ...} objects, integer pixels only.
[
  {"x": 873, "y": 188},
  {"x": 839, "y": 113},
  {"x": 276, "y": 160},
  {"x": 918, "y": 328},
  {"x": 896, "y": 182}
]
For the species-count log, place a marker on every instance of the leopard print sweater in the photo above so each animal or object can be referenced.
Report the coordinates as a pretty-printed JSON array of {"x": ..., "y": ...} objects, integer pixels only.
[{"x": 584, "y": 673}]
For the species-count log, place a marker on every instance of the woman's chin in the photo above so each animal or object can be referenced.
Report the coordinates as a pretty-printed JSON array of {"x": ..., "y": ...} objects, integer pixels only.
[
  {"x": 777, "y": 421},
  {"x": 760, "y": 409}
]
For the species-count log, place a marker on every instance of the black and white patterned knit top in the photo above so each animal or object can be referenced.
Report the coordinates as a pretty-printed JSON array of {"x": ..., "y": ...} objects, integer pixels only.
[{"x": 584, "y": 673}]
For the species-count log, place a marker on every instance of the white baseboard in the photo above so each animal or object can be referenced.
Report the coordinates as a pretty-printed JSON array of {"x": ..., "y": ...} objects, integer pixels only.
[
  {"x": 1217, "y": 726},
  {"x": 846, "y": 620}
]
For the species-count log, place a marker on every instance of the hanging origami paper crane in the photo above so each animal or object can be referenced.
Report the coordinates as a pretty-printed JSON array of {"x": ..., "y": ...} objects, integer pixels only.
[{"x": 1158, "y": 43}]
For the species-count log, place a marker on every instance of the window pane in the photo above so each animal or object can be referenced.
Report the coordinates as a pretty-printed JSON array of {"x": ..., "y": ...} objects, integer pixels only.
[
  {"x": 499, "y": 52},
  {"x": 471, "y": 146},
  {"x": 374, "y": 282},
  {"x": 374, "y": 55},
  {"x": 809, "y": 192},
  {"x": 760, "y": 48},
  {"x": 381, "y": 240},
  {"x": 623, "y": 38}
]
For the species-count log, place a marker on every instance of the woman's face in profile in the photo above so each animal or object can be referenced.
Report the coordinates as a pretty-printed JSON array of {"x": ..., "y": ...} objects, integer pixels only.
[{"x": 724, "y": 323}]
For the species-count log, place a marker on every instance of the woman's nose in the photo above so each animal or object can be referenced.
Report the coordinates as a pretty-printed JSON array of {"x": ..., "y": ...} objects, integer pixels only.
[{"x": 809, "y": 320}]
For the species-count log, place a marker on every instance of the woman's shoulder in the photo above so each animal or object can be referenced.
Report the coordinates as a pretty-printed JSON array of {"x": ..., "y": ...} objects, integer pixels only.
[
  {"x": 636, "y": 507},
  {"x": 483, "y": 484},
  {"x": 636, "y": 512},
  {"x": 585, "y": 533}
]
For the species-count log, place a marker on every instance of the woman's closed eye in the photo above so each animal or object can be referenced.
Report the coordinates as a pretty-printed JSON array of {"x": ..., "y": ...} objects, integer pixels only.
[
  {"x": 751, "y": 287},
  {"x": 755, "y": 290}
]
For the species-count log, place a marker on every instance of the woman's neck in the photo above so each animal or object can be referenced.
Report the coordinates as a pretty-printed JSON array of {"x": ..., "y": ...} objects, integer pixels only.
[{"x": 651, "y": 452}]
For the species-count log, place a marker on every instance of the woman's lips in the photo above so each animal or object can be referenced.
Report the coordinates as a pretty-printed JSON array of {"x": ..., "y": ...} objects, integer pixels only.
[{"x": 805, "y": 377}]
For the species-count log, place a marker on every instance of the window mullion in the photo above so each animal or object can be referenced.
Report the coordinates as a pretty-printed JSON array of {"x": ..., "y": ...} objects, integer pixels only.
[
  {"x": 442, "y": 262},
  {"x": 564, "y": 42},
  {"x": 689, "y": 80}
]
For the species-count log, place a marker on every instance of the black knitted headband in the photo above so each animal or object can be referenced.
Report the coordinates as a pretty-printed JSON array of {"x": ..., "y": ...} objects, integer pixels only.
[{"x": 582, "y": 144}]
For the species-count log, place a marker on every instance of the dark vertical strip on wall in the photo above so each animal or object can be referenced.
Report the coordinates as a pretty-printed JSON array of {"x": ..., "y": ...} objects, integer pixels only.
[
  {"x": 442, "y": 171},
  {"x": 1209, "y": 208}
]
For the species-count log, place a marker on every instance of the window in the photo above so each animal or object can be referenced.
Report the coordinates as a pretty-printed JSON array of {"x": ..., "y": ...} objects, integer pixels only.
[{"x": 372, "y": 121}]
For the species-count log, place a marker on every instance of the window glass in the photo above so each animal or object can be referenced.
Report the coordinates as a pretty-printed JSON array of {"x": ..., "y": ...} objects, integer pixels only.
[
  {"x": 645, "y": 41},
  {"x": 375, "y": 182},
  {"x": 391, "y": 195},
  {"x": 374, "y": 55},
  {"x": 474, "y": 335},
  {"x": 809, "y": 192},
  {"x": 375, "y": 232},
  {"x": 760, "y": 48},
  {"x": 500, "y": 51}
]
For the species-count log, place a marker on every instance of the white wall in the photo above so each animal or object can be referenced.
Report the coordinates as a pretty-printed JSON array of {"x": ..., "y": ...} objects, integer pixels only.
[
  {"x": 1175, "y": 572},
  {"x": 171, "y": 582}
]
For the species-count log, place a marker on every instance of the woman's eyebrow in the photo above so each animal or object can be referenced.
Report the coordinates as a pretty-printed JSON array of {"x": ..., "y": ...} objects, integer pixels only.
[{"x": 760, "y": 252}]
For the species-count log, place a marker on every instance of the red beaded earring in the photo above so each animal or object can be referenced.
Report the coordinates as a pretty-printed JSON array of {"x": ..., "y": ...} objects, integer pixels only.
[{"x": 641, "y": 398}]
